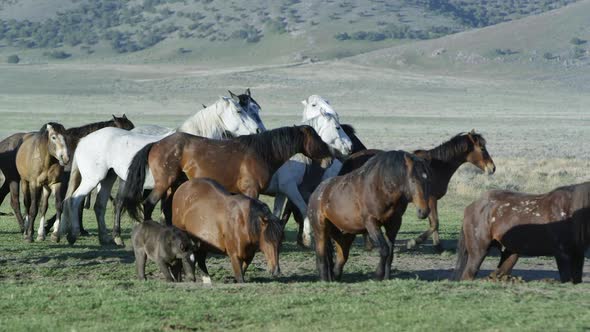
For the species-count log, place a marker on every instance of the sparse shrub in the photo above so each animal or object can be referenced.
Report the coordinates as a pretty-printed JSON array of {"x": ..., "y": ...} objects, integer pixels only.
[
  {"x": 57, "y": 54},
  {"x": 342, "y": 36},
  {"x": 577, "y": 41},
  {"x": 13, "y": 59},
  {"x": 579, "y": 52},
  {"x": 548, "y": 56}
]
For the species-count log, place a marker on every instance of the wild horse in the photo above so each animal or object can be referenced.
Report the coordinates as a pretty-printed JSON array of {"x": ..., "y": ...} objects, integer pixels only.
[
  {"x": 374, "y": 195},
  {"x": 553, "y": 224}
]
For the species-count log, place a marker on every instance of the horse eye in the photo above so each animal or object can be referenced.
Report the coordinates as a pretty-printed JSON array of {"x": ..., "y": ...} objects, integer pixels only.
[
  {"x": 337, "y": 128},
  {"x": 53, "y": 138},
  {"x": 314, "y": 105}
]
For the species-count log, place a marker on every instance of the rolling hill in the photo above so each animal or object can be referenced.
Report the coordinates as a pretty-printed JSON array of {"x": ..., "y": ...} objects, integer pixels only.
[{"x": 236, "y": 32}]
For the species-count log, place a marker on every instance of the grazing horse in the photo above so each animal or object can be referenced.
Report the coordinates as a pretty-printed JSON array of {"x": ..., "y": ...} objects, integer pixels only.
[
  {"x": 107, "y": 153},
  {"x": 234, "y": 225},
  {"x": 375, "y": 195},
  {"x": 553, "y": 224},
  {"x": 444, "y": 159},
  {"x": 39, "y": 161},
  {"x": 242, "y": 165}
]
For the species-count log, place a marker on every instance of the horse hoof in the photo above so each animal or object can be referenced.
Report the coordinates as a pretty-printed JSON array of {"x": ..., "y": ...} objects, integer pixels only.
[
  {"x": 28, "y": 239},
  {"x": 306, "y": 242},
  {"x": 84, "y": 232},
  {"x": 71, "y": 239},
  {"x": 55, "y": 238},
  {"x": 438, "y": 248},
  {"x": 119, "y": 241},
  {"x": 106, "y": 241},
  {"x": 40, "y": 238},
  {"x": 411, "y": 244}
]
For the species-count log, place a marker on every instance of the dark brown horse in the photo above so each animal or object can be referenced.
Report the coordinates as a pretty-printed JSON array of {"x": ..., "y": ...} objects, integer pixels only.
[
  {"x": 243, "y": 164},
  {"x": 234, "y": 225},
  {"x": 374, "y": 195},
  {"x": 9, "y": 147},
  {"x": 552, "y": 224},
  {"x": 39, "y": 161},
  {"x": 444, "y": 159}
]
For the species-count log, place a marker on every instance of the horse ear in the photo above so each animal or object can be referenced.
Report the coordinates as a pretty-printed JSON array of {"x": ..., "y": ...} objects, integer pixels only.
[
  {"x": 204, "y": 106},
  {"x": 248, "y": 92},
  {"x": 49, "y": 127},
  {"x": 114, "y": 117},
  {"x": 472, "y": 131},
  {"x": 304, "y": 102},
  {"x": 233, "y": 96},
  {"x": 124, "y": 116}
]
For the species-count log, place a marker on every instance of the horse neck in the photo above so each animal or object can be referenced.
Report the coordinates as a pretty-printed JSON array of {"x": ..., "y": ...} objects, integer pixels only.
[
  {"x": 206, "y": 123},
  {"x": 447, "y": 164},
  {"x": 75, "y": 134},
  {"x": 41, "y": 144}
]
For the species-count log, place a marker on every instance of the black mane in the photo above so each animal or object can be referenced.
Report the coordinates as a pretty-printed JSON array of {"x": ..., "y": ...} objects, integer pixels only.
[
  {"x": 391, "y": 167},
  {"x": 357, "y": 145},
  {"x": 458, "y": 145},
  {"x": 273, "y": 232},
  {"x": 60, "y": 129}
]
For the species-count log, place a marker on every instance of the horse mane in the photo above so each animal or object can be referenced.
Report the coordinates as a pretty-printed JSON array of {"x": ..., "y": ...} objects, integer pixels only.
[
  {"x": 273, "y": 232},
  {"x": 60, "y": 129},
  {"x": 206, "y": 122},
  {"x": 275, "y": 145},
  {"x": 78, "y": 132},
  {"x": 357, "y": 145},
  {"x": 457, "y": 145}
]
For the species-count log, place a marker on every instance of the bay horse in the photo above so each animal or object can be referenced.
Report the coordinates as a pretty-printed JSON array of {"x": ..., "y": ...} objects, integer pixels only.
[
  {"x": 444, "y": 160},
  {"x": 243, "y": 164},
  {"x": 107, "y": 153},
  {"x": 39, "y": 161},
  {"x": 374, "y": 195},
  {"x": 556, "y": 224},
  {"x": 231, "y": 224}
]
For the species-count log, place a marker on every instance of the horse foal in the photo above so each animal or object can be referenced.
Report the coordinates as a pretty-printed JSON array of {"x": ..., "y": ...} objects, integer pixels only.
[{"x": 169, "y": 247}]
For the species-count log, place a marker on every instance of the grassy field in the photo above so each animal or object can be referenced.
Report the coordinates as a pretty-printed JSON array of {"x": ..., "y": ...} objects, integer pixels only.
[{"x": 536, "y": 133}]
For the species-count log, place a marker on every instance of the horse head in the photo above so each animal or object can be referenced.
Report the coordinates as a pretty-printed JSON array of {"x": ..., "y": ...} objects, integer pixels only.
[
  {"x": 57, "y": 142},
  {"x": 123, "y": 122},
  {"x": 478, "y": 154},
  {"x": 250, "y": 106},
  {"x": 418, "y": 183},
  {"x": 270, "y": 236},
  {"x": 316, "y": 105},
  {"x": 313, "y": 145},
  {"x": 235, "y": 119}
]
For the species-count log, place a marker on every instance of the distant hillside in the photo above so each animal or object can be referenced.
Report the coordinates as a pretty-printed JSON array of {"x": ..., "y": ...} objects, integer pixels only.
[
  {"x": 255, "y": 31},
  {"x": 558, "y": 40}
]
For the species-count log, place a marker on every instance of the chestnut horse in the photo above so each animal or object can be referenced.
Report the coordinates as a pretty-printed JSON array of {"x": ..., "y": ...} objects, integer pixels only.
[
  {"x": 39, "y": 161},
  {"x": 444, "y": 160},
  {"x": 244, "y": 164},
  {"x": 374, "y": 195},
  {"x": 234, "y": 225},
  {"x": 553, "y": 224}
]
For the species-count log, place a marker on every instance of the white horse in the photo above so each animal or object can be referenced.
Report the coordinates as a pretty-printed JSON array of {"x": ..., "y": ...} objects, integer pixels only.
[
  {"x": 286, "y": 181},
  {"x": 109, "y": 151}
]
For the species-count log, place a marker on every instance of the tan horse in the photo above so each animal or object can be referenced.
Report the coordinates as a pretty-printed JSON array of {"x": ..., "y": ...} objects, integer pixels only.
[
  {"x": 39, "y": 161},
  {"x": 234, "y": 225}
]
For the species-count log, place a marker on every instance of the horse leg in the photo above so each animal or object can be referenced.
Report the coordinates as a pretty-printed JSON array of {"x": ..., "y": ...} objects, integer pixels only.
[
  {"x": 43, "y": 209},
  {"x": 150, "y": 202},
  {"x": 100, "y": 205},
  {"x": 72, "y": 210},
  {"x": 475, "y": 255},
  {"x": 35, "y": 193},
  {"x": 140, "y": 260},
  {"x": 164, "y": 268},
  {"x": 14, "y": 202},
  {"x": 577, "y": 267},
  {"x": 343, "y": 242},
  {"x": 58, "y": 192},
  {"x": 507, "y": 261},
  {"x": 201, "y": 257},
  {"x": 292, "y": 192},
  {"x": 118, "y": 210},
  {"x": 321, "y": 248},
  {"x": 88, "y": 201},
  {"x": 377, "y": 237},
  {"x": 367, "y": 241},
  {"x": 247, "y": 263},
  {"x": 433, "y": 229},
  {"x": 24, "y": 186},
  {"x": 236, "y": 264},
  {"x": 391, "y": 229},
  {"x": 564, "y": 265},
  {"x": 279, "y": 203}
]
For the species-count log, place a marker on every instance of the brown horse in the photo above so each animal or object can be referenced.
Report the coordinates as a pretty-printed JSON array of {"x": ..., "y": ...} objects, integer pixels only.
[
  {"x": 552, "y": 224},
  {"x": 243, "y": 164},
  {"x": 9, "y": 147},
  {"x": 234, "y": 225},
  {"x": 444, "y": 159},
  {"x": 375, "y": 195},
  {"x": 39, "y": 161}
]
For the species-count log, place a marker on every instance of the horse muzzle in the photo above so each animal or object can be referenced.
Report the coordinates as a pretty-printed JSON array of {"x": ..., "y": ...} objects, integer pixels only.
[{"x": 490, "y": 168}]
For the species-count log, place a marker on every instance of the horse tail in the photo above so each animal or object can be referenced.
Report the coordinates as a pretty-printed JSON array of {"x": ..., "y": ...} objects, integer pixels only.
[
  {"x": 133, "y": 192},
  {"x": 74, "y": 180},
  {"x": 461, "y": 257}
]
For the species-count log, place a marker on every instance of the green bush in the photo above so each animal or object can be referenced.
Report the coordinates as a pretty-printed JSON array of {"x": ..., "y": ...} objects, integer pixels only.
[{"x": 13, "y": 59}]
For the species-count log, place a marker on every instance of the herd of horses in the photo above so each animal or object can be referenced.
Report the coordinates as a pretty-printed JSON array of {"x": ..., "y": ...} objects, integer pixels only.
[{"x": 208, "y": 173}]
